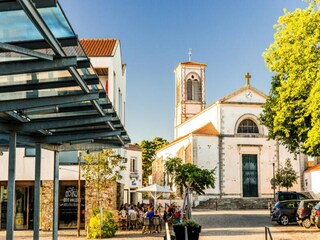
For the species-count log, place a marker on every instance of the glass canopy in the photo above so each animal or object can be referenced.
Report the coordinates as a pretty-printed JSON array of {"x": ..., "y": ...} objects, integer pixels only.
[
  {"x": 49, "y": 92},
  {"x": 16, "y": 26}
]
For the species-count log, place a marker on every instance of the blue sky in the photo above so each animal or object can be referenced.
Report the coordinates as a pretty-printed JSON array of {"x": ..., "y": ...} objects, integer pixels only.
[{"x": 229, "y": 36}]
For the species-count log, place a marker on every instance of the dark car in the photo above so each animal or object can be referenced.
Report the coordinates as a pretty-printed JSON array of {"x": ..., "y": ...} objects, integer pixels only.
[
  {"x": 285, "y": 212},
  {"x": 282, "y": 196},
  {"x": 315, "y": 216},
  {"x": 304, "y": 212}
]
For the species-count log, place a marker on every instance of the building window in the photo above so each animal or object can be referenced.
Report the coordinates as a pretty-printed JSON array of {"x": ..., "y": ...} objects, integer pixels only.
[
  {"x": 29, "y": 152},
  {"x": 193, "y": 88},
  {"x": 248, "y": 126},
  {"x": 133, "y": 165}
]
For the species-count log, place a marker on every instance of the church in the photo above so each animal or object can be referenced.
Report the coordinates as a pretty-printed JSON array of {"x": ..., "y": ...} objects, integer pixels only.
[{"x": 225, "y": 136}]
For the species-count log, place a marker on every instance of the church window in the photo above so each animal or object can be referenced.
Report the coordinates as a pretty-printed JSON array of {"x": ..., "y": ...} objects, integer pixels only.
[
  {"x": 193, "y": 89},
  {"x": 196, "y": 90},
  {"x": 248, "y": 126},
  {"x": 189, "y": 89}
]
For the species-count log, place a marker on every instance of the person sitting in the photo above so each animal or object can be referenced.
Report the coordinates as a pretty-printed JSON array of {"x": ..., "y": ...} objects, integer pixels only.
[
  {"x": 157, "y": 222},
  {"x": 123, "y": 219},
  {"x": 150, "y": 213},
  {"x": 147, "y": 222},
  {"x": 133, "y": 218},
  {"x": 176, "y": 216}
]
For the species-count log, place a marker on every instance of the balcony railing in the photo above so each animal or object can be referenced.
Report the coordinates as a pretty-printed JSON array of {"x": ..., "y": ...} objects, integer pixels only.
[{"x": 134, "y": 174}]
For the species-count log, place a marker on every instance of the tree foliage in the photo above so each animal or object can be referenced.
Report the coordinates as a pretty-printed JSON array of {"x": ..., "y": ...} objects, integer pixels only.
[
  {"x": 101, "y": 168},
  {"x": 149, "y": 149},
  {"x": 105, "y": 230},
  {"x": 189, "y": 175},
  {"x": 286, "y": 176},
  {"x": 292, "y": 110}
]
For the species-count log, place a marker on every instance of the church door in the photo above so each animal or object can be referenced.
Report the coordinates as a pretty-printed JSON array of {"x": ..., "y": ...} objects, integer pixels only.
[{"x": 249, "y": 175}]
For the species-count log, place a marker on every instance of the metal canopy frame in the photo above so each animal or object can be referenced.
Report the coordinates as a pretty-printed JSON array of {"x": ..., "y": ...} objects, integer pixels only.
[{"x": 51, "y": 98}]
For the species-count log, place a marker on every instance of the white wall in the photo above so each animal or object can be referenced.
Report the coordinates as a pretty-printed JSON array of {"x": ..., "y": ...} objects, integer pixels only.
[
  {"x": 207, "y": 157},
  {"x": 315, "y": 182},
  {"x": 128, "y": 184},
  {"x": 211, "y": 114},
  {"x": 25, "y": 166},
  {"x": 116, "y": 80}
]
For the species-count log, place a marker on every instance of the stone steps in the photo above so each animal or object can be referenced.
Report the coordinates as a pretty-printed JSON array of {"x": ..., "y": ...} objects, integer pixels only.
[{"x": 235, "y": 203}]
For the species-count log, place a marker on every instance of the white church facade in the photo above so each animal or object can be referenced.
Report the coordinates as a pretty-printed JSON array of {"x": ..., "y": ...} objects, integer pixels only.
[{"x": 225, "y": 136}]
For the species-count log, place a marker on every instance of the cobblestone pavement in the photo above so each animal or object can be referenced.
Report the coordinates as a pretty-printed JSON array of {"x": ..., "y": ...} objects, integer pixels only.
[{"x": 219, "y": 225}]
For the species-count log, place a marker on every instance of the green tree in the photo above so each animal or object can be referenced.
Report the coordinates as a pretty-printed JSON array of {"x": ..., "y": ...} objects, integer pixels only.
[
  {"x": 189, "y": 178},
  {"x": 286, "y": 176},
  {"x": 292, "y": 110},
  {"x": 100, "y": 169},
  {"x": 149, "y": 149}
]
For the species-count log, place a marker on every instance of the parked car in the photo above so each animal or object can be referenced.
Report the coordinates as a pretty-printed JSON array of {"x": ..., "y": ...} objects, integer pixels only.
[
  {"x": 315, "y": 216},
  {"x": 282, "y": 196},
  {"x": 304, "y": 212},
  {"x": 285, "y": 212}
]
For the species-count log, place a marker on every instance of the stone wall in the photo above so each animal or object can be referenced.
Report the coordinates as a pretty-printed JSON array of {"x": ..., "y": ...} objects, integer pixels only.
[
  {"x": 108, "y": 197},
  {"x": 46, "y": 208}
]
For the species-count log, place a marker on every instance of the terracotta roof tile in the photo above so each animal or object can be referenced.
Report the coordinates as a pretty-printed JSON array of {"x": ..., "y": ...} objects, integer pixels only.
[
  {"x": 310, "y": 163},
  {"x": 313, "y": 169},
  {"x": 207, "y": 129},
  {"x": 99, "y": 47},
  {"x": 133, "y": 147},
  {"x": 193, "y": 64}
]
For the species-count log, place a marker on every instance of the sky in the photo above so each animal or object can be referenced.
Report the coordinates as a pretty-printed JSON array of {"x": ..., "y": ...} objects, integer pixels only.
[{"x": 155, "y": 35}]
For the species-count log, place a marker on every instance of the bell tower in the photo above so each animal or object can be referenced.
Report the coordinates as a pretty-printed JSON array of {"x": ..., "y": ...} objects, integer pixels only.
[{"x": 190, "y": 90}]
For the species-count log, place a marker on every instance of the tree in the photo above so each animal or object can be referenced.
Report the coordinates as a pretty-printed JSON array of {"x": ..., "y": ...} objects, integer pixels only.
[
  {"x": 101, "y": 169},
  {"x": 286, "y": 176},
  {"x": 292, "y": 110},
  {"x": 149, "y": 149},
  {"x": 189, "y": 178}
]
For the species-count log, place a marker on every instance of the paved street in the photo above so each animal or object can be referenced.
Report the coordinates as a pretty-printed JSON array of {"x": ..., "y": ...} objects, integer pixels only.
[{"x": 221, "y": 225}]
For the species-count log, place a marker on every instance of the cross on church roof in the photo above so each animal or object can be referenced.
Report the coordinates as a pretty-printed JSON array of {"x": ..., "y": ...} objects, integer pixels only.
[
  {"x": 190, "y": 53},
  {"x": 247, "y": 77}
]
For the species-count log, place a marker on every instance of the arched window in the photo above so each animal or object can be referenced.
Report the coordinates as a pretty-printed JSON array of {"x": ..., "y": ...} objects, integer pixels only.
[
  {"x": 189, "y": 89},
  {"x": 193, "y": 89},
  {"x": 196, "y": 90},
  {"x": 248, "y": 126}
]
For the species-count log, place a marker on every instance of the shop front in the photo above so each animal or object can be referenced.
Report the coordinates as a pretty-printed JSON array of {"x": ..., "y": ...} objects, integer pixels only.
[
  {"x": 68, "y": 204},
  {"x": 23, "y": 205}
]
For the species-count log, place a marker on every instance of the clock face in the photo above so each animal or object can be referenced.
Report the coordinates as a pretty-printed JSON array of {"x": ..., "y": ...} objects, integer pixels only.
[{"x": 248, "y": 94}]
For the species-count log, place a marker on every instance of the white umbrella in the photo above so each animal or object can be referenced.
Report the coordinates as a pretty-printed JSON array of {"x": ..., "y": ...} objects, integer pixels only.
[{"x": 155, "y": 190}]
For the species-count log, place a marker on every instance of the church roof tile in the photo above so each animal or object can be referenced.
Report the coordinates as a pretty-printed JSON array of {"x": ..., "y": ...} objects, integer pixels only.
[
  {"x": 193, "y": 64},
  {"x": 313, "y": 169}
]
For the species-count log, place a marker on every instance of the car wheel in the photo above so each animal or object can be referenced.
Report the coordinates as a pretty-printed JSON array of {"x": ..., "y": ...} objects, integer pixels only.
[
  {"x": 284, "y": 220},
  {"x": 306, "y": 223}
]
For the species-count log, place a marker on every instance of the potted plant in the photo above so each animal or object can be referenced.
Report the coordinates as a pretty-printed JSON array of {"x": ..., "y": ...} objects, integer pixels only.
[
  {"x": 193, "y": 230},
  {"x": 188, "y": 178}
]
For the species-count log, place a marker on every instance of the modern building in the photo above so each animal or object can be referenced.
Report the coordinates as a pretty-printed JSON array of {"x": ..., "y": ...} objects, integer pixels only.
[
  {"x": 106, "y": 58},
  {"x": 226, "y": 136},
  {"x": 53, "y": 105}
]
